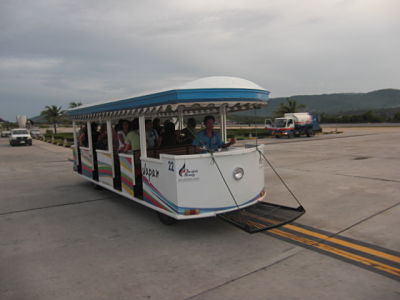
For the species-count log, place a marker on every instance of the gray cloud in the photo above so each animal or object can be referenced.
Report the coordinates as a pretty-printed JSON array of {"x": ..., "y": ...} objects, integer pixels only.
[{"x": 54, "y": 52}]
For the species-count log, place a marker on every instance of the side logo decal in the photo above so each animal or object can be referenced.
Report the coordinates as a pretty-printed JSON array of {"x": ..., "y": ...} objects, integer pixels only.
[{"x": 186, "y": 173}]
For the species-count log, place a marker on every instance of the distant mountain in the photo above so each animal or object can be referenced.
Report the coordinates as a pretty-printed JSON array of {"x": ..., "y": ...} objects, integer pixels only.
[{"x": 336, "y": 103}]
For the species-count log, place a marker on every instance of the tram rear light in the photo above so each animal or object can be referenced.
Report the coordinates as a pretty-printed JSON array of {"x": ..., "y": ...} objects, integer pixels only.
[{"x": 189, "y": 212}]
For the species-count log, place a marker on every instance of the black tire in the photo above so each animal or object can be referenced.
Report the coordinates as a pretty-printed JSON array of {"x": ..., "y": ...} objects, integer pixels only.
[
  {"x": 166, "y": 220},
  {"x": 309, "y": 132},
  {"x": 277, "y": 136},
  {"x": 290, "y": 135}
]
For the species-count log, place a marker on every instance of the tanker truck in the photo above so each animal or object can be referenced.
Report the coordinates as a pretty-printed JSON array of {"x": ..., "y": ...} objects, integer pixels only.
[
  {"x": 21, "y": 121},
  {"x": 294, "y": 125}
]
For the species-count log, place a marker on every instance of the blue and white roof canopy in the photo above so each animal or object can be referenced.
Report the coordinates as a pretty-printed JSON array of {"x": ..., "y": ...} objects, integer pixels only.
[{"x": 202, "y": 96}]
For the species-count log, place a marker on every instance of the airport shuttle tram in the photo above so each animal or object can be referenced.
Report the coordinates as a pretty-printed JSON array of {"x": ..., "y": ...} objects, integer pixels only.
[{"x": 176, "y": 181}]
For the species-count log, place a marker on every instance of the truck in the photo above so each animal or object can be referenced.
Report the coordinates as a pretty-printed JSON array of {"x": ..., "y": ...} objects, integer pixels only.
[
  {"x": 20, "y": 136},
  {"x": 294, "y": 125},
  {"x": 21, "y": 121}
]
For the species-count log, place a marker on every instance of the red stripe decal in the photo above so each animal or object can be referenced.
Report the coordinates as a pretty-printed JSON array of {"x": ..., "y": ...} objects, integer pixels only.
[
  {"x": 152, "y": 201},
  {"x": 126, "y": 181},
  {"x": 109, "y": 172},
  {"x": 86, "y": 168}
]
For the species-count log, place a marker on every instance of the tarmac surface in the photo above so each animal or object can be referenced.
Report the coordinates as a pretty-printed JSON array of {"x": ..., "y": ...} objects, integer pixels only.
[{"x": 62, "y": 239}]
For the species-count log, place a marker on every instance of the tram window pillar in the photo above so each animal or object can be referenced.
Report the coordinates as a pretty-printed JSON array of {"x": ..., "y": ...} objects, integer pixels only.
[
  {"x": 142, "y": 134},
  {"x": 110, "y": 144},
  {"x": 74, "y": 133},
  {"x": 180, "y": 118},
  {"x": 222, "y": 120},
  {"x": 109, "y": 136},
  {"x": 89, "y": 134}
]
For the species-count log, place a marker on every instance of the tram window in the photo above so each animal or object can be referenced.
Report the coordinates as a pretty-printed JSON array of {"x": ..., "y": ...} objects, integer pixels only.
[
  {"x": 95, "y": 133},
  {"x": 83, "y": 136},
  {"x": 122, "y": 129},
  {"x": 152, "y": 138},
  {"x": 100, "y": 138},
  {"x": 169, "y": 134},
  {"x": 157, "y": 126},
  {"x": 189, "y": 132},
  {"x": 133, "y": 137}
]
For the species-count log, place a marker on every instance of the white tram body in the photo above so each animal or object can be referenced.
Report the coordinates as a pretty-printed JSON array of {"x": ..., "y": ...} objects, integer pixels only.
[
  {"x": 181, "y": 184},
  {"x": 188, "y": 186}
]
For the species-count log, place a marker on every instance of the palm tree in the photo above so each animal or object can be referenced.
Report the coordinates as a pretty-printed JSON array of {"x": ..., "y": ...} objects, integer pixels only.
[
  {"x": 290, "y": 107},
  {"x": 74, "y": 104},
  {"x": 53, "y": 115}
]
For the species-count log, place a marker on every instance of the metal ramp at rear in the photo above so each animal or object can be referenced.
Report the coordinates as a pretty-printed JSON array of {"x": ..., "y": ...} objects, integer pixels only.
[{"x": 262, "y": 216}]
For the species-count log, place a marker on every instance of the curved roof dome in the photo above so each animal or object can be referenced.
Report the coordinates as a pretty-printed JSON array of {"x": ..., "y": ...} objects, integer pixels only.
[{"x": 223, "y": 82}]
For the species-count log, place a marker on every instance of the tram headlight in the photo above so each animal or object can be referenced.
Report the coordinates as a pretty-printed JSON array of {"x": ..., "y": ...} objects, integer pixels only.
[{"x": 238, "y": 173}]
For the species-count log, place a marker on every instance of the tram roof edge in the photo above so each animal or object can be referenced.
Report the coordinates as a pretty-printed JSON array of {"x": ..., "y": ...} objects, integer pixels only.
[{"x": 195, "y": 97}]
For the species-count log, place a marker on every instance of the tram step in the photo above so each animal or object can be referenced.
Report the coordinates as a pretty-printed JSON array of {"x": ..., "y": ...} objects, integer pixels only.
[{"x": 262, "y": 216}]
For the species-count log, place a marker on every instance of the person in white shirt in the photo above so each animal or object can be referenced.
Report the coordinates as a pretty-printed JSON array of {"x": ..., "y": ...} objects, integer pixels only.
[{"x": 123, "y": 145}]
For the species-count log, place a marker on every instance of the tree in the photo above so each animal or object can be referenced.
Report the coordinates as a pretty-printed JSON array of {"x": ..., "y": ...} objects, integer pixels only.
[
  {"x": 74, "y": 104},
  {"x": 53, "y": 115},
  {"x": 396, "y": 117},
  {"x": 370, "y": 117},
  {"x": 290, "y": 107}
]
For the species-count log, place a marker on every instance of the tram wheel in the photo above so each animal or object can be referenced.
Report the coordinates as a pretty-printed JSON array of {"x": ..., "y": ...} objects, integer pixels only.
[{"x": 166, "y": 220}]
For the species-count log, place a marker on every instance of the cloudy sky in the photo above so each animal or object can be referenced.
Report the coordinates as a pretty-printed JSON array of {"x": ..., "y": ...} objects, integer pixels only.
[{"x": 57, "y": 51}]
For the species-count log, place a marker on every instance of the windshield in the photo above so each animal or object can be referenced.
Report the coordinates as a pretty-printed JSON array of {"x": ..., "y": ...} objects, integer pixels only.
[
  {"x": 20, "y": 132},
  {"x": 280, "y": 123}
]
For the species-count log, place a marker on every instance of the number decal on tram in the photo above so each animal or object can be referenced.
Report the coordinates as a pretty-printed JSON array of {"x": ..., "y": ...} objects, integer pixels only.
[{"x": 171, "y": 166}]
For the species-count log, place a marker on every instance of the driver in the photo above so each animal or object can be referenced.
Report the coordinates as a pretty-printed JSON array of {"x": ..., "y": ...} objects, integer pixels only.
[{"x": 209, "y": 140}]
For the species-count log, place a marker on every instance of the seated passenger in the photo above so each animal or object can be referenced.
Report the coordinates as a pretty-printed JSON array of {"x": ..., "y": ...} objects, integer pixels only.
[
  {"x": 157, "y": 126},
  {"x": 102, "y": 141},
  {"x": 189, "y": 132},
  {"x": 152, "y": 138},
  {"x": 209, "y": 140},
  {"x": 123, "y": 130},
  {"x": 115, "y": 140},
  {"x": 83, "y": 137},
  {"x": 133, "y": 137},
  {"x": 169, "y": 135}
]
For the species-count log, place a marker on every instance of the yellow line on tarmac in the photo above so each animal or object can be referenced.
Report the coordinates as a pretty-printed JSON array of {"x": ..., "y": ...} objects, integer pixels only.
[
  {"x": 342, "y": 253},
  {"x": 324, "y": 237},
  {"x": 344, "y": 243}
]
